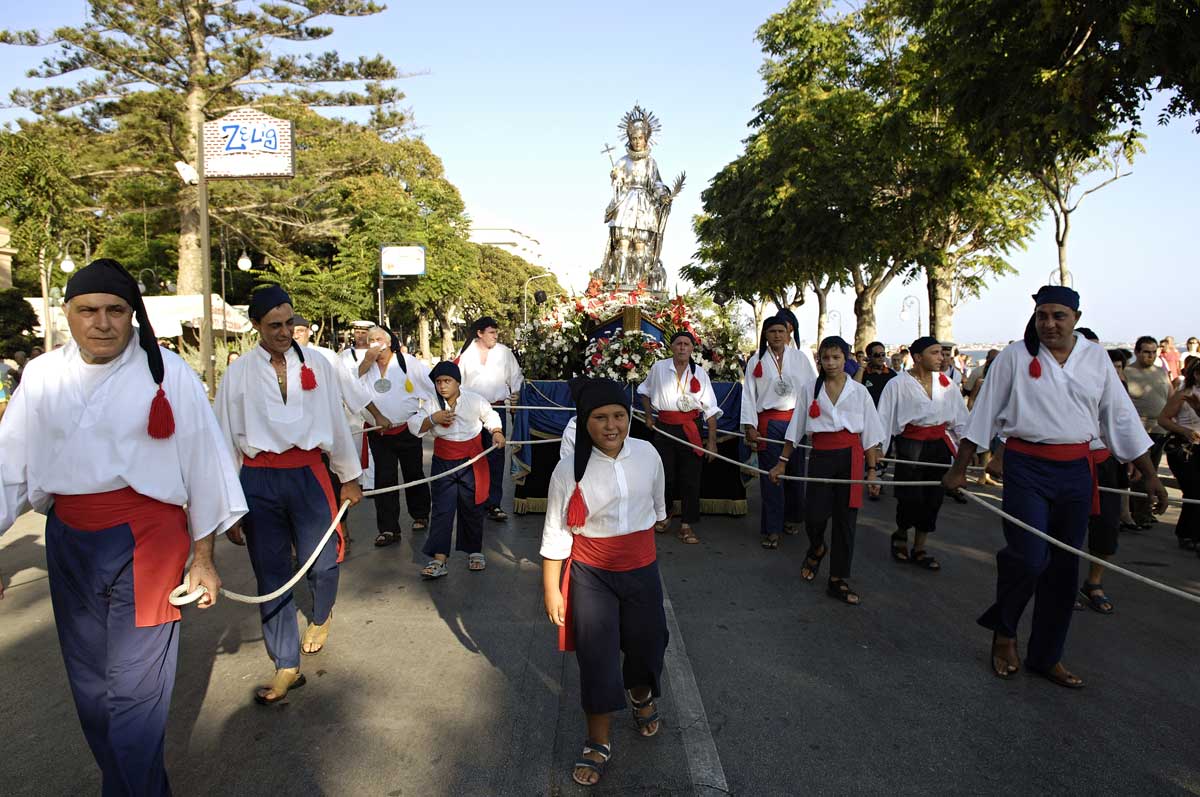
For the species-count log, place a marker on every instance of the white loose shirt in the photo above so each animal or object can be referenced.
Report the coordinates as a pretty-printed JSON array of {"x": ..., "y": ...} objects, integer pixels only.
[
  {"x": 397, "y": 404},
  {"x": 353, "y": 396},
  {"x": 254, "y": 417},
  {"x": 1080, "y": 401},
  {"x": 567, "y": 447},
  {"x": 495, "y": 380},
  {"x": 77, "y": 429},
  {"x": 624, "y": 495},
  {"x": 904, "y": 401},
  {"x": 760, "y": 393},
  {"x": 854, "y": 412},
  {"x": 664, "y": 388},
  {"x": 472, "y": 414}
]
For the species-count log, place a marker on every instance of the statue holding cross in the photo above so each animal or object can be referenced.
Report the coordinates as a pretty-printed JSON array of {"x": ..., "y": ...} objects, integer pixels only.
[{"x": 637, "y": 214}]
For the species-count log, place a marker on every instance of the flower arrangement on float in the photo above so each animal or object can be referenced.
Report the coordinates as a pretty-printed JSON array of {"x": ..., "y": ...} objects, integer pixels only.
[{"x": 555, "y": 344}]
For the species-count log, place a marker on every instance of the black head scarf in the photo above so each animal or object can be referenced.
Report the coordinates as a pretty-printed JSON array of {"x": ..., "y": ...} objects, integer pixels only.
[{"x": 108, "y": 276}]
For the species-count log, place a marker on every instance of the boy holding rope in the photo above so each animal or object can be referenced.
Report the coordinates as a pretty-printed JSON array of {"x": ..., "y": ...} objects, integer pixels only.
[
  {"x": 840, "y": 417},
  {"x": 923, "y": 411},
  {"x": 1048, "y": 396},
  {"x": 457, "y": 424}
]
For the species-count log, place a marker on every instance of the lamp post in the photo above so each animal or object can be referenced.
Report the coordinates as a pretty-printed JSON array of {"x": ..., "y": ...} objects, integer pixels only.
[
  {"x": 525, "y": 295},
  {"x": 830, "y": 315},
  {"x": 1055, "y": 278},
  {"x": 66, "y": 265},
  {"x": 911, "y": 303}
]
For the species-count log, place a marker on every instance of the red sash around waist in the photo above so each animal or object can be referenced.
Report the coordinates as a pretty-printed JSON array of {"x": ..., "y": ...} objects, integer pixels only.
[
  {"x": 834, "y": 441},
  {"x": 1063, "y": 452},
  {"x": 465, "y": 449},
  {"x": 160, "y": 543},
  {"x": 619, "y": 554},
  {"x": 304, "y": 458},
  {"x": 688, "y": 421},
  {"x": 914, "y": 432},
  {"x": 765, "y": 417}
]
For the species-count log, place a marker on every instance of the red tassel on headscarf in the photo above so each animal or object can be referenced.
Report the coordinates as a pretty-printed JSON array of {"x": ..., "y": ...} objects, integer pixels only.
[
  {"x": 1035, "y": 368},
  {"x": 162, "y": 419},
  {"x": 577, "y": 510},
  {"x": 814, "y": 409},
  {"x": 308, "y": 380},
  {"x": 758, "y": 370},
  {"x": 695, "y": 385},
  {"x": 943, "y": 380}
]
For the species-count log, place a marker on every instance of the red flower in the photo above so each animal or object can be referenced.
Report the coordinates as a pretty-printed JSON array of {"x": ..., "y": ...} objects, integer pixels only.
[{"x": 628, "y": 366}]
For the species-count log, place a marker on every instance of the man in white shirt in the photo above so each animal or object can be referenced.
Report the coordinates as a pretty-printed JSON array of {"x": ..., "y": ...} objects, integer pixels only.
[
  {"x": 357, "y": 359},
  {"x": 279, "y": 412},
  {"x": 774, "y": 375},
  {"x": 1048, "y": 397},
  {"x": 401, "y": 386},
  {"x": 490, "y": 369},
  {"x": 924, "y": 414},
  {"x": 680, "y": 392},
  {"x": 111, "y": 438}
]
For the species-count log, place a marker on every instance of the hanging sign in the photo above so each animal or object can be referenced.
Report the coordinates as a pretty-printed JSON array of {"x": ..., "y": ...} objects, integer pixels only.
[
  {"x": 401, "y": 261},
  {"x": 248, "y": 143}
]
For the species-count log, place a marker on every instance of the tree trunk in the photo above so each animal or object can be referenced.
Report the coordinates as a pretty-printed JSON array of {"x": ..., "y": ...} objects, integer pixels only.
[
  {"x": 48, "y": 324},
  {"x": 822, "y": 310},
  {"x": 190, "y": 278},
  {"x": 1062, "y": 231},
  {"x": 864, "y": 314},
  {"x": 423, "y": 335},
  {"x": 940, "y": 282}
]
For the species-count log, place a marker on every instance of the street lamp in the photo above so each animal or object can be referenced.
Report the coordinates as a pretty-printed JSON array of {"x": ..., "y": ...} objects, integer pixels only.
[
  {"x": 911, "y": 303},
  {"x": 244, "y": 263},
  {"x": 525, "y": 294},
  {"x": 830, "y": 316},
  {"x": 67, "y": 264},
  {"x": 154, "y": 280},
  {"x": 1055, "y": 278}
]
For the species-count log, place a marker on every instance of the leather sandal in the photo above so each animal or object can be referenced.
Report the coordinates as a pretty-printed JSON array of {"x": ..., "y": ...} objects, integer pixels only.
[
  {"x": 687, "y": 536},
  {"x": 315, "y": 635},
  {"x": 284, "y": 681}
]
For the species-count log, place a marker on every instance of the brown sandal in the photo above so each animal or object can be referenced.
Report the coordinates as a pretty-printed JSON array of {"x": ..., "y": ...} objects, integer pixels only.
[
  {"x": 283, "y": 682},
  {"x": 315, "y": 635},
  {"x": 998, "y": 655},
  {"x": 687, "y": 536}
]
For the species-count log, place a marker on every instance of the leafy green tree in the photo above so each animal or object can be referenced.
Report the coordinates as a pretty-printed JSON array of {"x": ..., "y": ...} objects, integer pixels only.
[
  {"x": 499, "y": 288},
  {"x": 40, "y": 198},
  {"x": 172, "y": 66},
  {"x": 17, "y": 321},
  {"x": 1032, "y": 81}
]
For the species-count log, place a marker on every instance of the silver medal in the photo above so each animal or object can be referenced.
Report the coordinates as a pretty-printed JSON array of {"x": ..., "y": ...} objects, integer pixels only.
[
  {"x": 685, "y": 403},
  {"x": 783, "y": 387},
  {"x": 383, "y": 385}
]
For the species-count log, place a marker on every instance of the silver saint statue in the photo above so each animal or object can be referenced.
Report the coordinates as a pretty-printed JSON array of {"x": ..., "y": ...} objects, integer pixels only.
[{"x": 637, "y": 214}]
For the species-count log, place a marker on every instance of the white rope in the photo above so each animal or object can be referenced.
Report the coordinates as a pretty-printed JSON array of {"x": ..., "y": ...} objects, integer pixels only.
[
  {"x": 181, "y": 597},
  {"x": 1081, "y": 554}
]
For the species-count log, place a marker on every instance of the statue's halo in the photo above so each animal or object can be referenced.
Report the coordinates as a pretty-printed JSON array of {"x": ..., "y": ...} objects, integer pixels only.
[{"x": 639, "y": 115}]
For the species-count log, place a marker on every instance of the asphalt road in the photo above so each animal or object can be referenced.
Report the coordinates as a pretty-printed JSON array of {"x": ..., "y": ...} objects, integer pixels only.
[{"x": 455, "y": 687}]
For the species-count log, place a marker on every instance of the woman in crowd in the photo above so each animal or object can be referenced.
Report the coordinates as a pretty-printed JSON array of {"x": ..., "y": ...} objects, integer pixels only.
[{"x": 1181, "y": 417}]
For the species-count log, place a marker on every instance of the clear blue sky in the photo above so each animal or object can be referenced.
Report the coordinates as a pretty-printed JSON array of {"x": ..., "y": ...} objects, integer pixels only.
[{"x": 519, "y": 98}]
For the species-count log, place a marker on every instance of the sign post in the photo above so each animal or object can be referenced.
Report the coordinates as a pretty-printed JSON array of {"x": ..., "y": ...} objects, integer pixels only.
[
  {"x": 397, "y": 261},
  {"x": 246, "y": 143}
]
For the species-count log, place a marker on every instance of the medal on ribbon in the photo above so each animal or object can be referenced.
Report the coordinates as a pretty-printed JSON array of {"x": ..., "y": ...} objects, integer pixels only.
[{"x": 383, "y": 385}]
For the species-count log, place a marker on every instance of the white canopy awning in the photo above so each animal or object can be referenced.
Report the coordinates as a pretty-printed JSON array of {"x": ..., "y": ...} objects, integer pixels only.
[{"x": 168, "y": 315}]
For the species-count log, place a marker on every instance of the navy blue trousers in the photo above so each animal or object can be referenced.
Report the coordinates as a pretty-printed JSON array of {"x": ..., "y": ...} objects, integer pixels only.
[
  {"x": 454, "y": 495},
  {"x": 918, "y": 507},
  {"x": 121, "y": 676},
  {"x": 288, "y": 507},
  {"x": 783, "y": 502},
  {"x": 1055, "y": 498},
  {"x": 495, "y": 461},
  {"x": 617, "y": 613}
]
